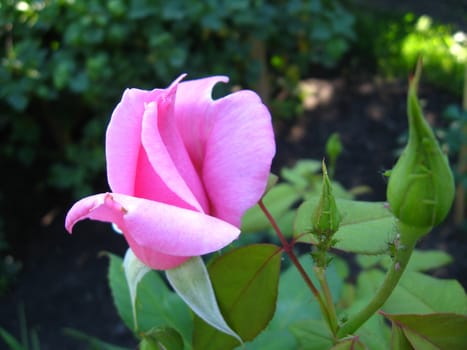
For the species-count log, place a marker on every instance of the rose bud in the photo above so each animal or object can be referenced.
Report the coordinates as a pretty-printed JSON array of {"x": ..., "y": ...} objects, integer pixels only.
[
  {"x": 326, "y": 217},
  {"x": 421, "y": 185}
]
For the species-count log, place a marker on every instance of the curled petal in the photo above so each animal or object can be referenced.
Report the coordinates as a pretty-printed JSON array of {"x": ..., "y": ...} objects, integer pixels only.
[
  {"x": 154, "y": 259},
  {"x": 238, "y": 155},
  {"x": 194, "y": 115},
  {"x": 231, "y": 140},
  {"x": 123, "y": 139},
  {"x": 156, "y": 230},
  {"x": 168, "y": 157}
]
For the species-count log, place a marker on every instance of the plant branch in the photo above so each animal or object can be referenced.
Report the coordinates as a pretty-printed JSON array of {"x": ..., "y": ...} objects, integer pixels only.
[
  {"x": 320, "y": 273},
  {"x": 288, "y": 248},
  {"x": 393, "y": 275}
]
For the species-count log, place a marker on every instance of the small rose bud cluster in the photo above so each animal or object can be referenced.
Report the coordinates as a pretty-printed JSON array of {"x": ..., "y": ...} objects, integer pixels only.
[{"x": 421, "y": 185}]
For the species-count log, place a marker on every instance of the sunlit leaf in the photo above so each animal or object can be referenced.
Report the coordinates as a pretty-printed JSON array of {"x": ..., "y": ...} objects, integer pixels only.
[
  {"x": 433, "y": 331},
  {"x": 245, "y": 281},
  {"x": 285, "y": 224},
  {"x": 416, "y": 293},
  {"x": 134, "y": 273},
  {"x": 374, "y": 333},
  {"x": 192, "y": 283},
  {"x": 278, "y": 201},
  {"x": 366, "y": 227},
  {"x": 300, "y": 175},
  {"x": 421, "y": 260},
  {"x": 312, "y": 335},
  {"x": 425, "y": 260},
  {"x": 156, "y": 305}
]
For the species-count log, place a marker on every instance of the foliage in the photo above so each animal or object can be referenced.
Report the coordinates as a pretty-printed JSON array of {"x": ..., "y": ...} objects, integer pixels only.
[
  {"x": 455, "y": 137},
  {"x": 29, "y": 339},
  {"x": 9, "y": 267},
  {"x": 92, "y": 342},
  {"x": 58, "y": 54},
  {"x": 299, "y": 182},
  {"x": 395, "y": 42}
]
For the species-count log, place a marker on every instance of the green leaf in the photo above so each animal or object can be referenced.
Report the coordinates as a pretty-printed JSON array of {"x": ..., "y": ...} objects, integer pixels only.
[
  {"x": 295, "y": 303},
  {"x": 421, "y": 260},
  {"x": 416, "y": 293},
  {"x": 301, "y": 174},
  {"x": 191, "y": 282},
  {"x": 349, "y": 344},
  {"x": 285, "y": 224},
  {"x": 374, "y": 333},
  {"x": 18, "y": 101},
  {"x": 433, "y": 331},
  {"x": 134, "y": 273},
  {"x": 278, "y": 201},
  {"x": 93, "y": 343},
  {"x": 398, "y": 339},
  {"x": 156, "y": 305},
  {"x": 312, "y": 335},
  {"x": 425, "y": 294},
  {"x": 366, "y": 227},
  {"x": 161, "y": 338},
  {"x": 425, "y": 260},
  {"x": 10, "y": 340},
  {"x": 245, "y": 281}
]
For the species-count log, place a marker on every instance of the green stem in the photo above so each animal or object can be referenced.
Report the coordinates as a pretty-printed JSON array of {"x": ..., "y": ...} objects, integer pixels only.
[
  {"x": 288, "y": 248},
  {"x": 320, "y": 273},
  {"x": 393, "y": 275}
]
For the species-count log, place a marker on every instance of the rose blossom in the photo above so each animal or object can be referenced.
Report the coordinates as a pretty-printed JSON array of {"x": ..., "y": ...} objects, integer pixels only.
[{"x": 183, "y": 169}]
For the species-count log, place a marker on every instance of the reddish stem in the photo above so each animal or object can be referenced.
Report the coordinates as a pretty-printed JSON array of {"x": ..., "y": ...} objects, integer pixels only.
[{"x": 288, "y": 248}]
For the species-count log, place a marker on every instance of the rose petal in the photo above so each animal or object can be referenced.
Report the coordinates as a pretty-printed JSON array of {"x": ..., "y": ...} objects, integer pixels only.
[
  {"x": 149, "y": 185},
  {"x": 168, "y": 156},
  {"x": 233, "y": 140},
  {"x": 153, "y": 226},
  {"x": 123, "y": 139},
  {"x": 238, "y": 156},
  {"x": 153, "y": 258},
  {"x": 194, "y": 115}
]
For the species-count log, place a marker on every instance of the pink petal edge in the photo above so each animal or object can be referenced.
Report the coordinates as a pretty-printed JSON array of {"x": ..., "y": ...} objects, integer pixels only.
[{"x": 156, "y": 226}]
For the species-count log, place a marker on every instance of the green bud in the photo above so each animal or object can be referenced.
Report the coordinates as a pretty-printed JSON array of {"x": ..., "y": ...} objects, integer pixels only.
[
  {"x": 421, "y": 185},
  {"x": 333, "y": 151},
  {"x": 333, "y": 146},
  {"x": 326, "y": 217}
]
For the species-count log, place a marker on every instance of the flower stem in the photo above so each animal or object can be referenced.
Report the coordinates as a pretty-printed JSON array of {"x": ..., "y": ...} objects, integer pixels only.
[
  {"x": 320, "y": 273},
  {"x": 393, "y": 275},
  {"x": 288, "y": 248}
]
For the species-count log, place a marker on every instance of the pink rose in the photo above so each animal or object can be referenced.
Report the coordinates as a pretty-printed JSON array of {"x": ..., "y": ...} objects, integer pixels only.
[{"x": 183, "y": 169}]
